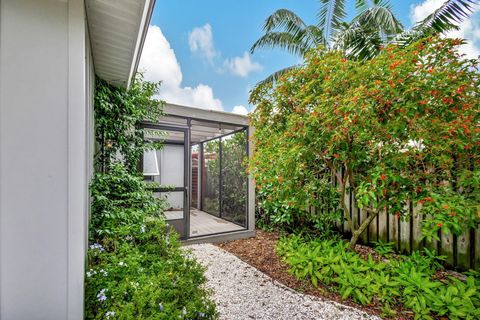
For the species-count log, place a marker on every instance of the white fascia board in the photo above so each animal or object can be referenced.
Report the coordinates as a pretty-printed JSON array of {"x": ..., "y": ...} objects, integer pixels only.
[{"x": 143, "y": 29}]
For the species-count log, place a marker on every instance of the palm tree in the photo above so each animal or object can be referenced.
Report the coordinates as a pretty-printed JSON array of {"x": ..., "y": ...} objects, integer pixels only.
[{"x": 374, "y": 26}]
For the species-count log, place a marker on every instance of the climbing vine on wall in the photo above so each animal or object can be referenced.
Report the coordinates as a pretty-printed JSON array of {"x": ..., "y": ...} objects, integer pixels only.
[{"x": 117, "y": 113}]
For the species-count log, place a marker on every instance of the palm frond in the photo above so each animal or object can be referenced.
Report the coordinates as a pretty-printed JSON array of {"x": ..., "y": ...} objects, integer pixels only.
[
  {"x": 294, "y": 44},
  {"x": 274, "y": 77},
  {"x": 410, "y": 36},
  {"x": 451, "y": 12},
  {"x": 284, "y": 19},
  {"x": 314, "y": 36},
  {"x": 368, "y": 32},
  {"x": 445, "y": 18},
  {"x": 358, "y": 43},
  {"x": 330, "y": 16},
  {"x": 361, "y": 5},
  {"x": 380, "y": 18}
]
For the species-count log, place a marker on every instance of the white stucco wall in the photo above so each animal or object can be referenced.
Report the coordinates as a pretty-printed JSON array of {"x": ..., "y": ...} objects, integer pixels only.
[{"x": 43, "y": 152}]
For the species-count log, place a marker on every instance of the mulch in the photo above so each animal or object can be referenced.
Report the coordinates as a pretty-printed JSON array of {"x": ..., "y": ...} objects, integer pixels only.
[{"x": 259, "y": 252}]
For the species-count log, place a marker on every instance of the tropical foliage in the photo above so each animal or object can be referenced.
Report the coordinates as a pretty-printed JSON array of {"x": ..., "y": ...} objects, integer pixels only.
[
  {"x": 117, "y": 113},
  {"x": 409, "y": 282},
  {"x": 373, "y": 27},
  {"x": 230, "y": 165},
  {"x": 136, "y": 268},
  {"x": 401, "y": 127}
]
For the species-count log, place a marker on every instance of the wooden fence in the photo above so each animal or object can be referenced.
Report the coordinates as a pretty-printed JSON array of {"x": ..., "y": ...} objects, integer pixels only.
[{"x": 462, "y": 252}]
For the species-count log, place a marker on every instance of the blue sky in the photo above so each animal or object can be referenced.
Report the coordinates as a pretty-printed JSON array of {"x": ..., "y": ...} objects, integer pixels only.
[{"x": 200, "y": 49}]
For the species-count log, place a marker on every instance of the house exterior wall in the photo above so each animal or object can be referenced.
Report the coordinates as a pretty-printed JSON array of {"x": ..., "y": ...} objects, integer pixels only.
[{"x": 45, "y": 141}]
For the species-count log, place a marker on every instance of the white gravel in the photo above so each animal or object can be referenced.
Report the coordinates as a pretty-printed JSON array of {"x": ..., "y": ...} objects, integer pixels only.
[{"x": 243, "y": 292}]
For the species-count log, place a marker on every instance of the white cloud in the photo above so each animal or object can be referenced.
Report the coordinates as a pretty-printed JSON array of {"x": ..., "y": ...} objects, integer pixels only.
[
  {"x": 240, "y": 110},
  {"x": 159, "y": 63},
  {"x": 200, "y": 39},
  {"x": 469, "y": 29},
  {"x": 242, "y": 66}
]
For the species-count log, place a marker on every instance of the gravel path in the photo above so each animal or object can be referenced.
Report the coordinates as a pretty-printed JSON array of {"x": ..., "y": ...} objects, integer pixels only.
[{"x": 243, "y": 292}]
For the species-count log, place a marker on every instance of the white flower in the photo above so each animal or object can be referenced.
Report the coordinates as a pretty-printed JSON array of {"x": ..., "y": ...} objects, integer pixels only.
[
  {"x": 104, "y": 273},
  {"x": 101, "y": 295},
  {"x": 184, "y": 311},
  {"x": 122, "y": 264},
  {"x": 109, "y": 314},
  {"x": 142, "y": 229},
  {"x": 91, "y": 272},
  {"x": 160, "y": 306},
  {"x": 97, "y": 246}
]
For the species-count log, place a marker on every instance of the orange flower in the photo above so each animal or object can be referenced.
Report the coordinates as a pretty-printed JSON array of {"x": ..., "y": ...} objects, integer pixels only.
[
  {"x": 452, "y": 214},
  {"x": 383, "y": 176},
  {"x": 439, "y": 224},
  {"x": 336, "y": 155}
]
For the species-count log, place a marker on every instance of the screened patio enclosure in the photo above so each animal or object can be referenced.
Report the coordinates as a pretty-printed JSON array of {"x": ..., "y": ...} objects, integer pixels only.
[{"x": 201, "y": 172}]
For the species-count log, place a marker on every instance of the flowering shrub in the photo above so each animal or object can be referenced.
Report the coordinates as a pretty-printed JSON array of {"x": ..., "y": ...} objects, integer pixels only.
[
  {"x": 401, "y": 127},
  {"x": 140, "y": 271}
]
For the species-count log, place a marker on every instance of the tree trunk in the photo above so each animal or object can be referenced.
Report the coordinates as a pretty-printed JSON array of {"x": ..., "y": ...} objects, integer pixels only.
[{"x": 357, "y": 233}]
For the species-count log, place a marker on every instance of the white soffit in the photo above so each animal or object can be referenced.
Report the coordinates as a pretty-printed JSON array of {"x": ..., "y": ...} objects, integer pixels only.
[{"x": 117, "y": 31}]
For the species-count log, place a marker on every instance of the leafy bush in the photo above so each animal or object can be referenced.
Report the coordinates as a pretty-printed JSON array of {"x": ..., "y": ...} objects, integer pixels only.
[
  {"x": 400, "y": 128},
  {"x": 407, "y": 280},
  {"x": 136, "y": 268},
  {"x": 140, "y": 272},
  {"x": 121, "y": 199},
  {"x": 117, "y": 114}
]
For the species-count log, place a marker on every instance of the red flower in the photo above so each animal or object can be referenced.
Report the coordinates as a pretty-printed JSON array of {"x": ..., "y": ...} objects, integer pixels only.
[
  {"x": 439, "y": 224},
  {"x": 336, "y": 155},
  {"x": 383, "y": 176},
  {"x": 452, "y": 214}
]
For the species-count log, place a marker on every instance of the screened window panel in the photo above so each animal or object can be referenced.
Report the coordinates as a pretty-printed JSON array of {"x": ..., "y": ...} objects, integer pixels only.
[
  {"x": 211, "y": 178},
  {"x": 234, "y": 178}
]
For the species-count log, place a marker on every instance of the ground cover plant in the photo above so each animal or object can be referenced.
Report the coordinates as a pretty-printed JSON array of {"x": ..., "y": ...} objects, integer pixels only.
[
  {"x": 136, "y": 268},
  {"x": 400, "y": 128},
  {"x": 409, "y": 281}
]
